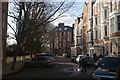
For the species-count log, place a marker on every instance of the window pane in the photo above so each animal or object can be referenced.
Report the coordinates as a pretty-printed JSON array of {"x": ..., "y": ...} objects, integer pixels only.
[
  {"x": 96, "y": 34},
  {"x": 105, "y": 30},
  {"x": 118, "y": 22},
  {"x": 64, "y": 33},
  {"x": 105, "y": 14},
  {"x": 96, "y": 20},
  {"x": 56, "y": 33}
]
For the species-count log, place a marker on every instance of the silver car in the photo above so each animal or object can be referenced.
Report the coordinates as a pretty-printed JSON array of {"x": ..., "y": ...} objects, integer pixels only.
[
  {"x": 41, "y": 61},
  {"x": 79, "y": 57}
]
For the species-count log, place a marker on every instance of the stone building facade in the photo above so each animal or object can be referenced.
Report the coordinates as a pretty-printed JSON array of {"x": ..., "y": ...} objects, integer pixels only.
[
  {"x": 78, "y": 36},
  {"x": 84, "y": 28},
  {"x": 101, "y": 27}
]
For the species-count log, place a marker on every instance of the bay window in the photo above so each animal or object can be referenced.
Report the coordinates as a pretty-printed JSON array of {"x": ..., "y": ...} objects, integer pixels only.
[{"x": 118, "y": 19}]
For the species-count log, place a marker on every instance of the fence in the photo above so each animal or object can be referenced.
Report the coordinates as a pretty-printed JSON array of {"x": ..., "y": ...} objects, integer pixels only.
[{"x": 19, "y": 58}]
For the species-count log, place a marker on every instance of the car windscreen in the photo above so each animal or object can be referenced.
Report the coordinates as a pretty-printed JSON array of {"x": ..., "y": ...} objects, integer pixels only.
[
  {"x": 39, "y": 58},
  {"x": 110, "y": 62}
]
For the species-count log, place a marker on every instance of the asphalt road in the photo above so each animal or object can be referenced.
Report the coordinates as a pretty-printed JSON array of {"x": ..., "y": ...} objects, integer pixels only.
[{"x": 63, "y": 69}]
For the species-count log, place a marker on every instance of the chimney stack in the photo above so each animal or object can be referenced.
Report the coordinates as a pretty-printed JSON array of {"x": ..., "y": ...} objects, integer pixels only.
[{"x": 61, "y": 24}]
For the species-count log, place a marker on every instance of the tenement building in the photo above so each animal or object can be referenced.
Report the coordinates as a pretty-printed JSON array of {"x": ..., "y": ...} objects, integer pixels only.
[
  {"x": 78, "y": 36},
  {"x": 61, "y": 39},
  {"x": 106, "y": 28},
  {"x": 101, "y": 28}
]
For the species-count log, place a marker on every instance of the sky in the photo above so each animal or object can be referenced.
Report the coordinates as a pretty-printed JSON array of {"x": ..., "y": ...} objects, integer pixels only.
[
  {"x": 71, "y": 15},
  {"x": 68, "y": 19}
]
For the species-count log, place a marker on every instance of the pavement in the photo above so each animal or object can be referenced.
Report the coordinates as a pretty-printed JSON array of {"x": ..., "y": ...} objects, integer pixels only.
[{"x": 6, "y": 68}]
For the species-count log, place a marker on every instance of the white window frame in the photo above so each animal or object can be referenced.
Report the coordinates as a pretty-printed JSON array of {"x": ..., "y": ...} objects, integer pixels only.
[
  {"x": 60, "y": 29},
  {"x": 112, "y": 25},
  {"x": 107, "y": 12},
  {"x": 99, "y": 34}
]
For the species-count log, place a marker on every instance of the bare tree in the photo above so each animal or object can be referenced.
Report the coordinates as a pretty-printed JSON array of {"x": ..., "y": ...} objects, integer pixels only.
[{"x": 31, "y": 20}]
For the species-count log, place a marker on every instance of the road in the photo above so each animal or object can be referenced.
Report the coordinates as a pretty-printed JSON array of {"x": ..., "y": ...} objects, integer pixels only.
[{"x": 63, "y": 69}]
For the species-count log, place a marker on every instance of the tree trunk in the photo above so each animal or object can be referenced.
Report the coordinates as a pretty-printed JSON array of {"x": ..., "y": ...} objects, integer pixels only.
[
  {"x": 13, "y": 63},
  {"x": 31, "y": 55},
  {"x": 15, "y": 57}
]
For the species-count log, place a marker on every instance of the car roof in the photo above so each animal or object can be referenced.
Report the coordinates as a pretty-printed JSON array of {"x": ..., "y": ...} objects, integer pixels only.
[
  {"x": 81, "y": 55},
  {"x": 112, "y": 57},
  {"x": 44, "y": 56}
]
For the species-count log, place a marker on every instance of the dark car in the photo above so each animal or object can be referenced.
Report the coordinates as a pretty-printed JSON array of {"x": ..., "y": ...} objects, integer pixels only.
[
  {"x": 89, "y": 60},
  {"x": 41, "y": 61},
  {"x": 73, "y": 58},
  {"x": 107, "y": 68}
]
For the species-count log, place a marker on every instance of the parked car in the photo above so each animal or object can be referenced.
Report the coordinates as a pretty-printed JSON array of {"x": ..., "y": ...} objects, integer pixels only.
[
  {"x": 39, "y": 54},
  {"x": 50, "y": 54},
  {"x": 107, "y": 68},
  {"x": 66, "y": 55},
  {"x": 73, "y": 58},
  {"x": 97, "y": 62},
  {"x": 89, "y": 60},
  {"x": 44, "y": 54},
  {"x": 79, "y": 57},
  {"x": 41, "y": 61}
]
